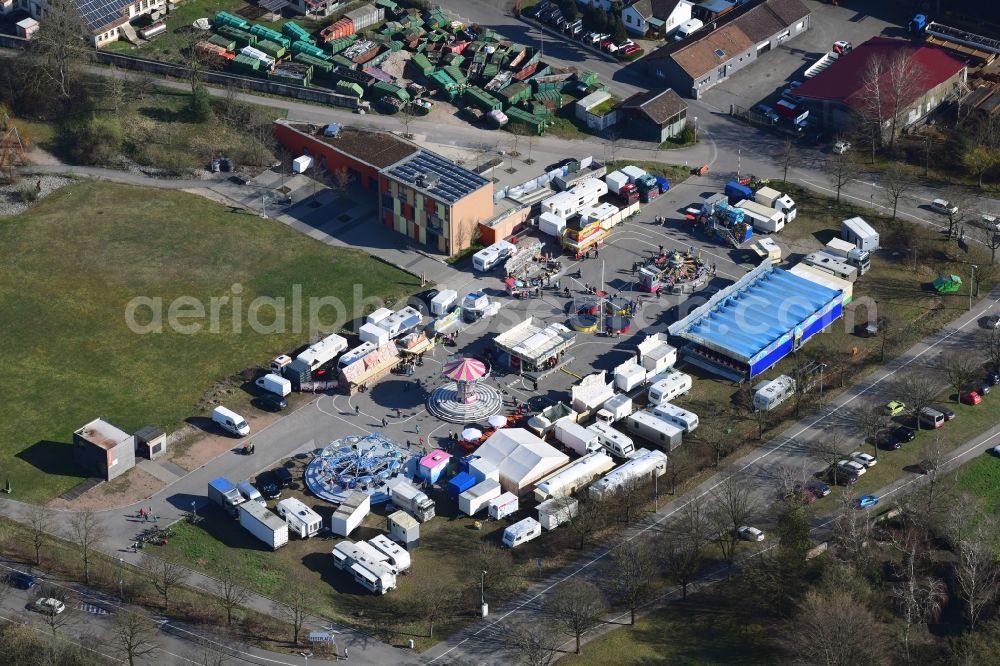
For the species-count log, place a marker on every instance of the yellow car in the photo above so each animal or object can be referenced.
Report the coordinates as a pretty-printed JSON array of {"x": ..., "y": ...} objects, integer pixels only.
[{"x": 895, "y": 407}]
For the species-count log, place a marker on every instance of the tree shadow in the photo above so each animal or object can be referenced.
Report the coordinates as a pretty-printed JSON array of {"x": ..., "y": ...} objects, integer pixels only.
[{"x": 163, "y": 115}]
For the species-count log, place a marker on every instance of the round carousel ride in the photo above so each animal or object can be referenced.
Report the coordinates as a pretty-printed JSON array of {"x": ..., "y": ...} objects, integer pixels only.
[
  {"x": 354, "y": 463},
  {"x": 466, "y": 397}
]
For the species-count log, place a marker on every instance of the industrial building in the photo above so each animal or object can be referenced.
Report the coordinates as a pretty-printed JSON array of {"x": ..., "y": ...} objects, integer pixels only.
[
  {"x": 104, "y": 449},
  {"x": 654, "y": 115},
  {"x": 752, "y": 324},
  {"x": 726, "y": 45},
  {"x": 422, "y": 195}
]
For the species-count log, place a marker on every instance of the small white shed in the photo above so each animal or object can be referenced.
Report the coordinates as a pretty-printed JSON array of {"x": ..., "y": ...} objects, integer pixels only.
[
  {"x": 556, "y": 511},
  {"x": 404, "y": 529},
  {"x": 301, "y": 164},
  {"x": 350, "y": 513}
]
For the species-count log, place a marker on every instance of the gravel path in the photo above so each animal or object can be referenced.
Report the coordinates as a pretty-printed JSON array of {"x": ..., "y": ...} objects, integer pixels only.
[{"x": 11, "y": 201}]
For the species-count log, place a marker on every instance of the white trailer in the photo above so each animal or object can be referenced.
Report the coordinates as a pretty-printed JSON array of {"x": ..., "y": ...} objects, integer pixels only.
[
  {"x": 615, "y": 180},
  {"x": 395, "y": 554},
  {"x": 444, "y": 302},
  {"x": 263, "y": 524},
  {"x": 369, "y": 567},
  {"x": 831, "y": 264},
  {"x": 350, "y": 513},
  {"x": 654, "y": 429},
  {"x": 629, "y": 375},
  {"x": 373, "y": 334},
  {"x": 492, "y": 256},
  {"x": 503, "y": 506},
  {"x": 655, "y": 355},
  {"x": 575, "y": 437},
  {"x": 859, "y": 232},
  {"x": 408, "y": 497},
  {"x": 680, "y": 417},
  {"x": 356, "y": 354},
  {"x": 302, "y": 521},
  {"x": 772, "y": 198},
  {"x": 521, "y": 532},
  {"x": 476, "y": 498},
  {"x": 551, "y": 225},
  {"x": 851, "y": 253},
  {"x": 323, "y": 351},
  {"x": 674, "y": 384},
  {"x": 556, "y": 511},
  {"x": 615, "y": 408},
  {"x": 644, "y": 465},
  {"x": 770, "y": 394},
  {"x": 373, "y": 578},
  {"x": 573, "y": 476},
  {"x": 765, "y": 220},
  {"x": 617, "y": 443}
]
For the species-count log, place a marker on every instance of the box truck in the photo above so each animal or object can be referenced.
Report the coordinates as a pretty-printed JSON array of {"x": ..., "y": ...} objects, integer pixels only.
[
  {"x": 230, "y": 421},
  {"x": 768, "y": 395},
  {"x": 503, "y": 506},
  {"x": 225, "y": 494},
  {"x": 644, "y": 466},
  {"x": 765, "y": 220},
  {"x": 412, "y": 500},
  {"x": 556, "y": 511},
  {"x": 322, "y": 352},
  {"x": 772, "y": 198},
  {"x": 856, "y": 230},
  {"x": 671, "y": 386},
  {"x": 275, "y": 384},
  {"x": 850, "y": 253},
  {"x": 654, "y": 429},
  {"x": 302, "y": 521},
  {"x": 575, "y": 437},
  {"x": 617, "y": 443},
  {"x": 263, "y": 524},
  {"x": 680, "y": 417},
  {"x": 573, "y": 476},
  {"x": 521, "y": 532},
  {"x": 615, "y": 408}
]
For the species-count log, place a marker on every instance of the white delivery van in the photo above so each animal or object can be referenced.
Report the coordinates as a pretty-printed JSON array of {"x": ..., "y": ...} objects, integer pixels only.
[
  {"x": 521, "y": 532},
  {"x": 275, "y": 384},
  {"x": 668, "y": 388},
  {"x": 250, "y": 493},
  {"x": 229, "y": 420},
  {"x": 617, "y": 443},
  {"x": 685, "y": 29}
]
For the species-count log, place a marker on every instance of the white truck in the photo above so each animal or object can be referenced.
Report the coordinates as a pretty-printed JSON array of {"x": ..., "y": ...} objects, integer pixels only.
[
  {"x": 644, "y": 465},
  {"x": 302, "y": 521},
  {"x": 574, "y": 476},
  {"x": 851, "y": 253},
  {"x": 408, "y": 497},
  {"x": 263, "y": 524},
  {"x": 575, "y": 437},
  {"x": 275, "y": 384},
  {"x": 322, "y": 352},
  {"x": 222, "y": 492},
  {"x": 769, "y": 394},
  {"x": 652, "y": 428},
  {"x": 765, "y": 220},
  {"x": 616, "y": 443},
  {"x": 615, "y": 408},
  {"x": 772, "y": 198},
  {"x": 856, "y": 230}
]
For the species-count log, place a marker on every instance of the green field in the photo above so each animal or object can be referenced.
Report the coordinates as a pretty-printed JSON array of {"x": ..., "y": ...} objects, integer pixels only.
[{"x": 73, "y": 262}]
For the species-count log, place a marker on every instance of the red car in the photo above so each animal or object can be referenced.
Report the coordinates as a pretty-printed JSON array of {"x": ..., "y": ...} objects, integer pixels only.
[
  {"x": 629, "y": 50},
  {"x": 605, "y": 43},
  {"x": 970, "y": 398}
]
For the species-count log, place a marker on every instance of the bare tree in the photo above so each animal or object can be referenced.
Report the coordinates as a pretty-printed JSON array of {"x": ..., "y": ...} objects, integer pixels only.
[
  {"x": 904, "y": 80},
  {"x": 919, "y": 599},
  {"x": 961, "y": 369},
  {"x": 831, "y": 448},
  {"x": 682, "y": 547},
  {"x": 503, "y": 576},
  {"x": 843, "y": 168},
  {"x": 88, "y": 531},
  {"x": 818, "y": 633},
  {"x": 632, "y": 572},
  {"x": 934, "y": 454},
  {"x": 62, "y": 48},
  {"x": 895, "y": 183},
  {"x": 293, "y": 604},
  {"x": 430, "y": 605},
  {"x": 164, "y": 575},
  {"x": 678, "y": 463},
  {"x": 134, "y": 636},
  {"x": 871, "y": 419},
  {"x": 230, "y": 593},
  {"x": 732, "y": 507},
  {"x": 852, "y": 533},
  {"x": 535, "y": 644},
  {"x": 629, "y": 498},
  {"x": 918, "y": 389},
  {"x": 576, "y": 606},
  {"x": 786, "y": 156},
  {"x": 56, "y": 621},
  {"x": 977, "y": 575},
  {"x": 114, "y": 90},
  {"x": 39, "y": 526},
  {"x": 992, "y": 347},
  {"x": 716, "y": 440},
  {"x": 991, "y": 239}
]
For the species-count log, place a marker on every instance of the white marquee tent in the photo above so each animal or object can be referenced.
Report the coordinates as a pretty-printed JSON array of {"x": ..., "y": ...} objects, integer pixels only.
[{"x": 521, "y": 457}]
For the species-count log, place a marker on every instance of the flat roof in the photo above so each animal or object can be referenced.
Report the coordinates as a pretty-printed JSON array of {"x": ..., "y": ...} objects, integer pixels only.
[
  {"x": 434, "y": 175},
  {"x": 103, "y": 434},
  {"x": 379, "y": 149}
]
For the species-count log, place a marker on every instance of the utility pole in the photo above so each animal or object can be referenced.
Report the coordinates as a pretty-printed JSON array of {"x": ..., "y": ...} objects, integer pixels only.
[{"x": 972, "y": 281}]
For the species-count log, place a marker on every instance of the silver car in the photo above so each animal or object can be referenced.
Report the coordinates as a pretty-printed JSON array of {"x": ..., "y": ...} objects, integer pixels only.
[{"x": 944, "y": 207}]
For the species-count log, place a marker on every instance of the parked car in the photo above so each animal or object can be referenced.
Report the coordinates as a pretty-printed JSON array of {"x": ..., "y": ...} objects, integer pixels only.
[
  {"x": 768, "y": 112},
  {"x": 944, "y": 207},
  {"x": 904, "y": 434},
  {"x": 947, "y": 413},
  {"x": 993, "y": 378},
  {"x": 629, "y": 50},
  {"x": 269, "y": 486},
  {"x": 989, "y": 222},
  {"x": 858, "y": 468},
  {"x": 748, "y": 533},
  {"x": 841, "y": 147},
  {"x": 841, "y": 475},
  {"x": 284, "y": 477},
  {"x": 22, "y": 580},
  {"x": 864, "y": 459},
  {"x": 49, "y": 606},
  {"x": 996, "y": 450},
  {"x": 895, "y": 407},
  {"x": 866, "y": 501},
  {"x": 819, "y": 488},
  {"x": 272, "y": 402},
  {"x": 982, "y": 388},
  {"x": 970, "y": 398}
]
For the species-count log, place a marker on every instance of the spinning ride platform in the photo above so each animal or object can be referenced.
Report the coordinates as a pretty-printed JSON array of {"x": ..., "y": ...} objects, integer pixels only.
[{"x": 356, "y": 463}]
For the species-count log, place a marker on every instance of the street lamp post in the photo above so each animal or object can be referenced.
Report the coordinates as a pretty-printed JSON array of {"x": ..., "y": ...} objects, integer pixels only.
[
  {"x": 696, "y": 129},
  {"x": 121, "y": 579},
  {"x": 482, "y": 595}
]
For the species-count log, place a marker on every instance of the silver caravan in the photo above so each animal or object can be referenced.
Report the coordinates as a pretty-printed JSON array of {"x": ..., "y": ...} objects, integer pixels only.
[
  {"x": 770, "y": 394},
  {"x": 618, "y": 444},
  {"x": 654, "y": 429},
  {"x": 680, "y": 417}
]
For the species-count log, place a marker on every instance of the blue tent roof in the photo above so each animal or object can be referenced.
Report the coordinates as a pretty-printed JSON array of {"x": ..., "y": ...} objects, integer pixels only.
[{"x": 745, "y": 318}]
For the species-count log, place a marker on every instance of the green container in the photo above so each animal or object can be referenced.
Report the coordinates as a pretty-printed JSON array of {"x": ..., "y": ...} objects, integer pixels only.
[
  {"x": 349, "y": 88},
  {"x": 241, "y": 37},
  {"x": 224, "y": 42},
  {"x": 271, "y": 48}
]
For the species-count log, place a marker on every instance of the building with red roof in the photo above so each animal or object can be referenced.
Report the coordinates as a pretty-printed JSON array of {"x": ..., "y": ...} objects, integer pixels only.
[{"x": 848, "y": 87}]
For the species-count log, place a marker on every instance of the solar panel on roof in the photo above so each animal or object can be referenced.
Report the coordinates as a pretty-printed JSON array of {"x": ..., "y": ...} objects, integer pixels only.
[
  {"x": 274, "y": 6},
  {"x": 720, "y": 53},
  {"x": 99, "y": 13}
]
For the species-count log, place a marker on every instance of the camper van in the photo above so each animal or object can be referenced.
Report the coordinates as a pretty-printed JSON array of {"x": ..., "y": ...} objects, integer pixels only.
[
  {"x": 250, "y": 493},
  {"x": 521, "y": 532},
  {"x": 323, "y": 351},
  {"x": 931, "y": 418},
  {"x": 770, "y": 394},
  {"x": 302, "y": 521},
  {"x": 618, "y": 444},
  {"x": 489, "y": 258},
  {"x": 230, "y": 421},
  {"x": 680, "y": 417},
  {"x": 654, "y": 429},
  {"x": 356, "y": 354},
  {"x": 395, "y": 554},
  {"x": 668, "y": 388},
  {"x": 686, "y": 29}
]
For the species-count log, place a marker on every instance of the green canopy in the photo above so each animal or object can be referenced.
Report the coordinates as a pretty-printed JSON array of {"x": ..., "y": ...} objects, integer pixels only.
[{"x": 947, "y": 284}]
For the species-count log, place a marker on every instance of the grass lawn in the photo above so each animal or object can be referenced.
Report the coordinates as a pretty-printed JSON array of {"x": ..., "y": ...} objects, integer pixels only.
[
  {"x": 64, "y": 329},
  {"x": 981, "y": 477},
  {"x": 688, "y": 634}
]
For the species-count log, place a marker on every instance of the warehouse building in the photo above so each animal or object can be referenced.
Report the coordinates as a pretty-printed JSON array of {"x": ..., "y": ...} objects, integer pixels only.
[
  {"x": 726, "y": 45},
  {"x": 422, "y": 195},
  {"x": 654, "y": 115},
  {"x": 755, "y": 322}
]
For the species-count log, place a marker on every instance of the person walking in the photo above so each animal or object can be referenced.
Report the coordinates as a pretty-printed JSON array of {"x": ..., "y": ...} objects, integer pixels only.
[
  {"x": 420, "y": 441},
  {"x": 385, "y": 422},
  {"x": 398, "y": 413},
  {"x": 418, "y": 428},
  {"x": 142, "y": 512},
  {"x": 357, "y": 409}
]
